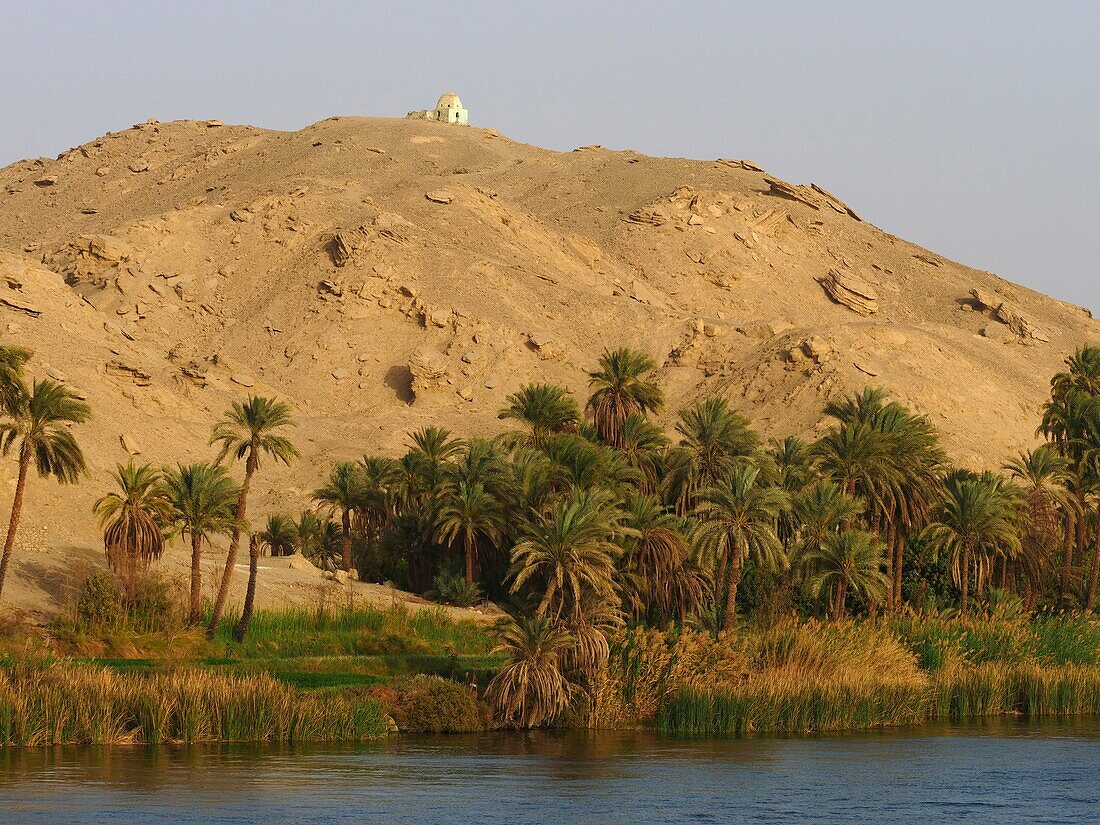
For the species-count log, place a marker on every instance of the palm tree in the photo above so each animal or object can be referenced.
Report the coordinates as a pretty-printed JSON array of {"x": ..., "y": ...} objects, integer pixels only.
[
  {"x": 621, "y": 391},
  {"x": 713, "y": 440},
  {"x": 977, "y": 519},
  {"x": 642, "y": 445},
  {"x": 279, "y": 536},
  {"x": 1071, "y": 420},
  {"x": 133, "y": 519},
  {"x": 39, "y": 424},
  {"x": 308, "y": 534},
  {"x": 738, "y": 523},
  {"x": 530, "y": 689},
  {"x": 820, "y": 511},
  {"x": 431, "y": 449},
  {"x": 12, "y": 361},
  {"x": 579, "y": 464},
  {"x": 846, "y": 562},
  {"x": 794, "y": 467},
  {"x": 240, "y": 630},
  {"x": 342, "y": 494},
  {"x": 248, "y": 431},
  {"x": 467, "y": 511},
  {"x": 656, "y": 565},
  {"x": 1045, "y": 477},
  {"x": 883, "y": 453},
  {"x": 204, "y": 499},
  {"x": 376, "y": 495},
  {"x": 542, "y": 409},
  {"x": 569, "y": 553}
]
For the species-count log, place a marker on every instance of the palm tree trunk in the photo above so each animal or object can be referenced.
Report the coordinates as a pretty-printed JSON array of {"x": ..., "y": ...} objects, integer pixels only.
[
  {"x": 470, "y": 572},
  {"x": 241, "y": 630},
  {"x": 1067, "y": 553},
  {"x": 551, "y": 587},
  {"x": 345, "y": 540},
  {"x": 234, "y": 543},
  {"x": 196, "y": 577},
  {"x": 16, "y": 509},
  {"x": 899, "y": 564},
  {"x": 875, "y": 528},
  {"x": 1094, "y": 571},
  {"x": 841, "y": 598},
  {"x": 964, "y": 585},
  {"x": 730, "y": 618}
]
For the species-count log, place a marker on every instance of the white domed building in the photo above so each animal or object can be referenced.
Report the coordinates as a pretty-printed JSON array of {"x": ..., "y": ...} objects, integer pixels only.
[{"x": 448, "y": 109}]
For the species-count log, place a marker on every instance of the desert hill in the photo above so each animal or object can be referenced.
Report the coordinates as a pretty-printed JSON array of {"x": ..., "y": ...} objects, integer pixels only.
[{"x": 386, "y": 274}]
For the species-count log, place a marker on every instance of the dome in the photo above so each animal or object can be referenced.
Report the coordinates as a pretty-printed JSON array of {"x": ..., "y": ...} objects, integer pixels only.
[{"x": 448, "y": 100}]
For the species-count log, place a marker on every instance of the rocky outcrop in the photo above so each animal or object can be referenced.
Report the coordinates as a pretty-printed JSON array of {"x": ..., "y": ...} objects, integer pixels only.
[
  {"x": 1008, "y": 315},
  {"x": 428, "y": 370},
  {"x": 850, "y": 291}
]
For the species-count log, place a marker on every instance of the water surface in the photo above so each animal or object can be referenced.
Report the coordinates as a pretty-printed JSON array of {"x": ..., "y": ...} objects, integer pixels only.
[{"x": 1004, "y": 772}]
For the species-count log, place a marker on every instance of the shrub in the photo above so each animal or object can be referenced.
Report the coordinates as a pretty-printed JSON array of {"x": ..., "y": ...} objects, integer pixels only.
[
  {"x": 430, "y": 704},
  {"x": 451, "y": 588},
  {"x": 100, "y": 603}
]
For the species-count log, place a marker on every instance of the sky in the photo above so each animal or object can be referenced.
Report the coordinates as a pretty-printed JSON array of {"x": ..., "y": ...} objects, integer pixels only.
[{"x": 970, "y": 128}]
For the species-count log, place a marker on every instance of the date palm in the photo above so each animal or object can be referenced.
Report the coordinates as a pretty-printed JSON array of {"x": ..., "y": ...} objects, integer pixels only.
[
  {"x": 467, "y": 512},
  {"x": 530, "y": 689},
  {"x": 38, "y": 429},
  {"x": 134, "y": 518},
  {"x": 886, "y": 455},
  {"x": 794, "y": 471},
  {"x": 542, "y": 410},
  {"x": 342, "y": 495},
  {"x": 204, "y": 501},
  {"x": 13, "y": 359},
  {"x": 642, "y": 445},
  {"x": 279, "y": 536},
  {"x": 569, "y": 553},
  {"x": 978, "y": 519},
  {"x": 713, "y": 440},
  {"x": 248, "y": 431},
  {"x": 377, "y": 496},
  {"x": 1045, "y": 477},
  {"x": 738, "y": 520},
  {"x": 848, "y": 562},
  {"x": 821, "y": 510},
  {"x": 620, "y": 391},
  {"x": 656, "y": 565},
  {"x": 240, "y": 629}
]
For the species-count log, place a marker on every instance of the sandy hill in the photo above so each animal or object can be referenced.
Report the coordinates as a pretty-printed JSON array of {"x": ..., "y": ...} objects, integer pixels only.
[{"x": 385, "y": 274}]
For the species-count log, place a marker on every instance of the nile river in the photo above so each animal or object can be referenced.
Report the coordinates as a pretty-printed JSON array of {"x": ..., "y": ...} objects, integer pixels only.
[{"x": 1003, "y": 772}]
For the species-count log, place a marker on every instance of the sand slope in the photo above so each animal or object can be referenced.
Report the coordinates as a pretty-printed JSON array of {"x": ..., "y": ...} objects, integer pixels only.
[{"x": 169, "y": 268}]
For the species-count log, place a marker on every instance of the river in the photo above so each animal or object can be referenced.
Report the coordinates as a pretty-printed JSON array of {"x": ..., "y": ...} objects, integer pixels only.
[{"x": 1001, "y": 772}]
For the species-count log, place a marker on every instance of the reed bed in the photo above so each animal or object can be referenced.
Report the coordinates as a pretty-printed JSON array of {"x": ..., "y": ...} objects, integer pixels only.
[
  {"x": 807, "y": 678},
  {"x": 65, "y": 704}
]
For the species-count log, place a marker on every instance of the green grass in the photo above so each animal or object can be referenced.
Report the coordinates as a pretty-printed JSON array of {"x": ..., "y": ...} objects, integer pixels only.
[{"x": 358, "y": 631}]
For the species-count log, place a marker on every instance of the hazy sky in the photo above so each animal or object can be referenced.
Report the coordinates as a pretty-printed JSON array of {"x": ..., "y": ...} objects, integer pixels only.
[{"x": 971, "y": 128}]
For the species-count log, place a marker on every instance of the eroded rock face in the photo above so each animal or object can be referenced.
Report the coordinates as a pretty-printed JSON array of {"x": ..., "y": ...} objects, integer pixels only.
[
  {"x": 429, "y": 371},
  {"x": 851, "y": 291},
  {"x": 1008, "y": 315}
]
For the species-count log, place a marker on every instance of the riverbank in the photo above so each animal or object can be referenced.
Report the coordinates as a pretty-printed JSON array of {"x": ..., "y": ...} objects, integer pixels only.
[{"x": 350, "y": 674}]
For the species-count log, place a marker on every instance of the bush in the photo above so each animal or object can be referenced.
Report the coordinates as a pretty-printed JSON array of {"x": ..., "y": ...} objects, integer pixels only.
[
  {"x": 451, "y": 588},
  {"x": 100, "y": 603},
  {"x": 430, "y": 704},
  {"x": 150, "y": 602}
]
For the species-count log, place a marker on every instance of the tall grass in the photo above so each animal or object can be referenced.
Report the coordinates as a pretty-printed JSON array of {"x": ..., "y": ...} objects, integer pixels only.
[
  {"x": 58, "y": 704},
  {"x": 851, "y": 676}
]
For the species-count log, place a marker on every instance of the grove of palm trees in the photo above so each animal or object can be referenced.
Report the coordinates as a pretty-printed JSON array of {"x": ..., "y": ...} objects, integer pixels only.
[{"x": 706, "y": 579}]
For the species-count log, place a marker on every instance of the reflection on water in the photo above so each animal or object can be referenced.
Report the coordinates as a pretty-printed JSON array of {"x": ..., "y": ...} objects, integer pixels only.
[{"x": 1005, "y": 771}]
